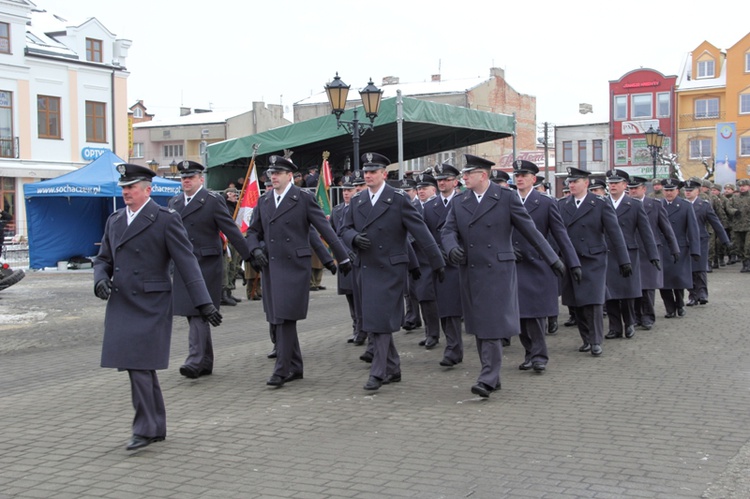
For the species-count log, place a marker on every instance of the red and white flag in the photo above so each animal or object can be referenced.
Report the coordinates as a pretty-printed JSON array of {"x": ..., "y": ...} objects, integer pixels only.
[{"x": 250, "y": 196}]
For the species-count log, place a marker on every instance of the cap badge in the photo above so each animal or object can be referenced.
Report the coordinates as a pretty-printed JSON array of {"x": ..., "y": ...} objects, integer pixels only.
[
  {"x": 369, "y": 157},
  {"x": 186, "y": 164},
  {"x": 121, "y": 169},
  {"x": 272, "y": 159}
]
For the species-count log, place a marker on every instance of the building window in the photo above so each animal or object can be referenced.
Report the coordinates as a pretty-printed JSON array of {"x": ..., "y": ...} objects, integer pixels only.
[
  {"x": 138, "y": 112},
  {"x": 641, "y": 104},
  {"x": 597, "y": 150},
  {"x": 173, "y": 151},
  {"x": 706, "y": 69},
  {"x": 744, "y": 146},
  {"x": 707, "y": 108},
  {"x": 747, "y": 62},
  {"x": 7, "y": 149},
  {"x": 567, "y": 151},
  {"x": 621, "y": 107},
  {"x": 663, "y": 105},
  {"x": 96, "y": 123},
  {"x": 744, "y": 103},
  {"x": 700, "y": 148},
  {"x": 138, "y": 149},
  {"x": 581, "y": 154},
  {"x": 5, "y": 38},
  {"x": 48, "y": 117},
  {"x": 8, "y": 198},
  {"x": 93, "y": 50}
]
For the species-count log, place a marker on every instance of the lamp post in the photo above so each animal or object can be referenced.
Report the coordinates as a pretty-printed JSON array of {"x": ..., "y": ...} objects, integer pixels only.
[
  {"x": 654, "y": 141},
  {"x": 337, "y": 92},
  {"x": 154, "y": 165},
  {"x": 173, "y": 168}
]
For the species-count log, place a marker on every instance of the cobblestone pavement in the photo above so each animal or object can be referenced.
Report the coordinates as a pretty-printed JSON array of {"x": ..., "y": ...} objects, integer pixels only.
[{"x": 664, "y": 414}]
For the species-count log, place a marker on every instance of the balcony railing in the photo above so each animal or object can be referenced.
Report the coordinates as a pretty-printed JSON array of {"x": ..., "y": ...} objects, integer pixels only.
[{"x": 700, "y": 120}]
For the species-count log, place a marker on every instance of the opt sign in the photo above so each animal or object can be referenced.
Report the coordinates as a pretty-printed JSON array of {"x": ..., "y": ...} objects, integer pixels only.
[{"x": 91, "y": 153}]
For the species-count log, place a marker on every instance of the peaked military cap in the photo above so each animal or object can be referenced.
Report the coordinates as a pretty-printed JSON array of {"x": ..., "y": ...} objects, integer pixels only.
[
  {"x": 189, "y": 168},
  {"x": 671, "y": 183},
  {"x": 357, "y": 178},
  {"x": 372, "y": 161},
  {"x": 637, "y": 181},
  {"x": 566, "y": 188},
  {"x": 280, "y": 164},
  {"x": 474, "y": 162},
  {"x": 130, "y": 174},
  {"x": 577, "y": 173},
  {"x": 513, "y": 186},
  {"x": 597, "y": 183},
  {"x": 445, "y": 170},
  {"x": 538, "y": 180},
  {"x": 617, "y": 176},
  {"x": 499, "y": 176},
  {"x": 692, "y": 184},
  {"x": 523, "y": 166},
  {"x": 407, "y": 184},
  {"x": 425, "y": 179}
]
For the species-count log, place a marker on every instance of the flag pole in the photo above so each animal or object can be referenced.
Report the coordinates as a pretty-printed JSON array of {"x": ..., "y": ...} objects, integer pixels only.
[{"x": 247, "y": 177}]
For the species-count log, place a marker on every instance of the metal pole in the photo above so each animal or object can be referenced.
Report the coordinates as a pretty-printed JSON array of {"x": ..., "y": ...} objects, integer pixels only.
[
  {"x": 355, "y": 140},
  {"x": 546, "y": 152},
  {"x": 653, "y": 156},
  {"x": 400, "y": 134}
]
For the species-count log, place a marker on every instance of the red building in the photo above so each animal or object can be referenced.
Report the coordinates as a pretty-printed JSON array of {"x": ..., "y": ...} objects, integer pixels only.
[{"x": 641, "y": 99}]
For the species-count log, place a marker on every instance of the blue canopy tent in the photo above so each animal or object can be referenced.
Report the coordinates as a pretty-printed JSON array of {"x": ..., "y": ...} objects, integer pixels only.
[{"x": 66, "y": 215}]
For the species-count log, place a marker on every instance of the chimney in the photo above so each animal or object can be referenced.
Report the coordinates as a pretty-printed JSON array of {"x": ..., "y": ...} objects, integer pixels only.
[
  {"x": 436, "y": 77},
  {"x": 184, "y": 111},
  {"x": 497, "y": 73}
]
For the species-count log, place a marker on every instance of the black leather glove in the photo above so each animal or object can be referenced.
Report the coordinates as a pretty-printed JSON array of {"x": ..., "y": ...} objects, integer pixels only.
[
  {"x": 558, "y": 268},
  {"x": 331, "y": 267},
  {"x": 345, "y": 268},
  {"x": 518, "y": 253},
  {"x": 676, "y": 257},
  {"x": 727, "y": 246},
  {"x": 261, "y": 260},
  {"x": 440, "y": 273},
  {"x": 696, "y": 258},
  {"x": 415, "y": 273},
  {"x": 210, "y": 314},
  {"x": 656, "y": 263},
  {"x": 456, "y": 256},
  {"x": 361, "y": 241},
  {"x": 103, "y": 288},
  {"x": 577, "y": 274},
  {"x": 626, "y": 270}
]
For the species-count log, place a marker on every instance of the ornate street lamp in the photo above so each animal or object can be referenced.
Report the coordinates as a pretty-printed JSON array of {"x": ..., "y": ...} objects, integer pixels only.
[
  {"x": 371, "y": 96},
  {"x": 154, "y": 165},
  {"x": 654, "y": 141},
  {"x": 173, "y": 168}
]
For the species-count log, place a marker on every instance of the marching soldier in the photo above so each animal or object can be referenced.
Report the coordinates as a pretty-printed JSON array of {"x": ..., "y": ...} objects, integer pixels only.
[
  {"x": 412, "y": 316},
  {"x": 718, "y": 203},
  {"x": 422, "y": 279}
]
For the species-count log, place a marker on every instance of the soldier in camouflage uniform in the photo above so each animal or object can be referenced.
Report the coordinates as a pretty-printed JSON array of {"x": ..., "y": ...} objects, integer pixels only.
[
  {"x": 739, "y": 210},
  {"x": 656, "y": 194},
  {"x": 729, "y": 192},
  {"x": 718, "y": 203}
]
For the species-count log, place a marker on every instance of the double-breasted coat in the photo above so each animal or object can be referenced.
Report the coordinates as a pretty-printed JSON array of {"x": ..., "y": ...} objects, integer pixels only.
[
  {"x": 138, "y": 320},
  {"x": 651, "y": 278},
  {"x": 685, "y": 227},
  {"x": 637, "y": 232},
  {"x": 345, "y": 283},
  {"x": 537, "y": 283},
  {"x": 448, "y": 299},
  {"x": 284, "y": 234},
  {"x": 489, "y": 284},
  {"x": 424, "y": 287},
  {"x": 382, "y": 268},
  {"x": 587, "y": 227},
  {"x": 204, "y": 217},
  {"x": 705, "y": 214}
]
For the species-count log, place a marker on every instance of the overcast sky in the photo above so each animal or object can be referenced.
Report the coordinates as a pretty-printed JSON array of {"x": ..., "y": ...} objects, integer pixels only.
[{"x": 225, "y": 54}]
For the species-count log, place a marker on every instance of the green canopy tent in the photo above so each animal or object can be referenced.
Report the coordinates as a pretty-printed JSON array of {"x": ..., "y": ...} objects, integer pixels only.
[{"x": 428, "y": 128}]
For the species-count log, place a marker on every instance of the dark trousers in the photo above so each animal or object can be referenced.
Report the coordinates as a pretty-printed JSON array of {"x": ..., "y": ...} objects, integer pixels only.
[
  {"x": 532, "y": 339},
  {"x": 430, "y": 318},
  {"x": 621, "y": 313},
  {"x": 200, "y": 347},
  {"x": 288, "y": 353},
  {"x": 491, "y": 358},
  {"x": 411, "y": 307},
  {"x": 700, "y": 287},
  {"x": 353, "y": 315},
  {"x": 150, "y": 414},
  {"x": 590, "y": 320},
  {"x": 673, "y": 299},
  {"x": 644, "y": 308},
  {"x": 385, "y": 358},
  {"x": 357, "y": 299},
  {"x": 454, "y": 343}
]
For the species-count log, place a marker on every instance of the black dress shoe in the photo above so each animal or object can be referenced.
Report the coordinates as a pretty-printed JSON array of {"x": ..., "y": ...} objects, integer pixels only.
[
  {"x": 392, "y": 378},
  {"x": 482, "y": 390},
  {"x": 552, "y": 326},
  {"x": 570, "y": 322},
  {"x": 367, "y": 357},
  {"x": 272, "y": 355},
  {"x": 539, "y": 366},
  {"x": 373, "y": 383},
  {"x": 596, "y": 350},
  {"x": 276, "y": 380},
  {"x": 321, "y": 288},
  {"x": 423, "y": 343},
  {"x": 629, "y": 331},
  {"x": 314, "y": 288},
  {"x": 670, "y": 315},
  {"x": 350, "y": 340},
  {"x": 358, "y": 342},
  {"x": 447, "y": 362},
  {"x": 525, "y": 366},
  {"x": 139, "y": 442},
  {"x": 680, "y": 312},
  {"x": 431, "y": 343},
  {"x": 612, "y": 334},
  {"x": 505, "y": 342},
  {"x": 293, "y": 376},
  {"x": 691, "y": 303},
  {"x": 409, "y": 326},
  {"x": 647, "y": 327},
  {"x": 206, "y": 372},
  {"x": 584, "y": 348},
  {"x": 189, "y": 372},
  {"x": 703, "y": 302}
]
